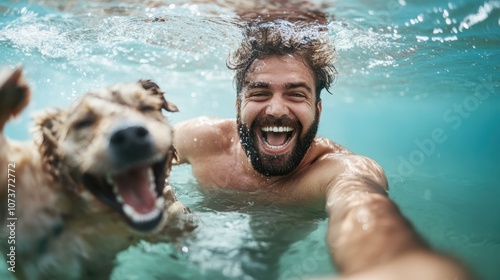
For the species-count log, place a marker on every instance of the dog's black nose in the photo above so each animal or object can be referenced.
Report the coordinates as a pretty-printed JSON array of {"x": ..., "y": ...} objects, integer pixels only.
[{"x": 131, "y": 142}]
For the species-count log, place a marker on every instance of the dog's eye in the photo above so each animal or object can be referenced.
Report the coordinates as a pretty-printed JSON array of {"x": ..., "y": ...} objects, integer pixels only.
[
  {"x": 146, "y": 108},
  {"x": 83, "y": 123}
]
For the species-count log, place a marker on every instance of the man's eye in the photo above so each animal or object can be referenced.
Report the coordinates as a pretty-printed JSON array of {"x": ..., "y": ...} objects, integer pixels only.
[
  {"x": 83, "y": 123},
  {"x": 258, "y": 94},
  {"x": 297, "y": 95}
]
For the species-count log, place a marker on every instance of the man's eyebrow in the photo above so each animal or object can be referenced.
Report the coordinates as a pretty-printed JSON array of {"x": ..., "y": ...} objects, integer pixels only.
[
  {"x": 252, "y": 85},
  {"x": 266, "y": 85},
  {"x": 297, "y": 85}
]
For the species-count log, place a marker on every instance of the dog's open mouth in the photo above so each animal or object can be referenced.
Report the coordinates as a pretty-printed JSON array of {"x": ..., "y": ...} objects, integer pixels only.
[{"x": 135, "y": 192}]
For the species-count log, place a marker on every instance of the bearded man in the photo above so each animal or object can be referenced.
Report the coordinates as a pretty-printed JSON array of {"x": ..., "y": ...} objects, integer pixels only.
[{"x": 272, "y": 149}]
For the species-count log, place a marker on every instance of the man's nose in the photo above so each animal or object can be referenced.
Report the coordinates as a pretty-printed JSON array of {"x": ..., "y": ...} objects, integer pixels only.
[{"x": 277, "y": 107}]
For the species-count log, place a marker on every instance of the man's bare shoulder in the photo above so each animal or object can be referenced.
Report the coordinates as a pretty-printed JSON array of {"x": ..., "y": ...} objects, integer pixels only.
[
  {"x": 332, "y": 162},
  {"x": 326, "y": 147},
  {"x": 206, "y": 125}
]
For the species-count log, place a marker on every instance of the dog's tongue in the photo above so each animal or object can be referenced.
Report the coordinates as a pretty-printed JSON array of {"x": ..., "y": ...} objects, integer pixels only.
[
  {"x": 276, "y": 138},
  {"x": 134, "y": 188}
]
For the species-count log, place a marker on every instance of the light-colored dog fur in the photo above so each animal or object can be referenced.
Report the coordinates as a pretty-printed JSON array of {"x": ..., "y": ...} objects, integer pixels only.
[{"x": 63, "y": 229}]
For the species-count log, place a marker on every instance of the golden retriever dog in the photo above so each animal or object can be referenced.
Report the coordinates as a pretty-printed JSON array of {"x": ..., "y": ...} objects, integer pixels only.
[{"x": 93, "y": 181}]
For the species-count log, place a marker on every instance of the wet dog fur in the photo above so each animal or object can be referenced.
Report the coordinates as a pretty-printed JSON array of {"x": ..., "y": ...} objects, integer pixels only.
[{"x": 92, "y": 183}]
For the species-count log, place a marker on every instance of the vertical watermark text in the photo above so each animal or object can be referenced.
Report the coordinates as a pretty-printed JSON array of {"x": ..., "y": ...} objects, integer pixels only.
[
  {"x": 11, "y": 216},
  {"x": 454, "y": 116}
]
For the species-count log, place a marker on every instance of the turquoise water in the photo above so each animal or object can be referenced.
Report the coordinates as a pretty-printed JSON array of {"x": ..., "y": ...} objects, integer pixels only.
[{"x": 418, "y": 91}]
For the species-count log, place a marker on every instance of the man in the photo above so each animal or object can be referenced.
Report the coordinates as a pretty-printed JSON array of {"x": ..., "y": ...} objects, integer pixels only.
[{"x": 272, "y": 149}]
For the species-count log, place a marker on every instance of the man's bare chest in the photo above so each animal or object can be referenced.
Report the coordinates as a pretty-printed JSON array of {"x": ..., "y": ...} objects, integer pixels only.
[{"x": 227, "y": 172}]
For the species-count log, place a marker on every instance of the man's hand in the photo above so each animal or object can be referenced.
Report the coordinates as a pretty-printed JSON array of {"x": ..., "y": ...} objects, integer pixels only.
[{"x": 369, "y": 238}]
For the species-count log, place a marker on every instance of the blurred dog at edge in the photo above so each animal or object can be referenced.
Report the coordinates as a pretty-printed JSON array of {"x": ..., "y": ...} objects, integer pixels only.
[{"x": 93, "y": 181}]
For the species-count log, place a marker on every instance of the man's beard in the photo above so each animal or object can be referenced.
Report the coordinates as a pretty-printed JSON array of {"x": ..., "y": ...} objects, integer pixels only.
[{"x": 275, "y": 165}]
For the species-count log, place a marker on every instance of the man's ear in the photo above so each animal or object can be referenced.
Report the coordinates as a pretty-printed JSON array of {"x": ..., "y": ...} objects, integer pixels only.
[
  {"x": 155, "y": 90},
  {"x": 238, "y": 101},
  {"x": 319, "y": 107}
]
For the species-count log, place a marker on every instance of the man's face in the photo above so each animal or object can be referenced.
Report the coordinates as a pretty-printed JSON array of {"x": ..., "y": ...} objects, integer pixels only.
[{"x": 277, "y": 114}]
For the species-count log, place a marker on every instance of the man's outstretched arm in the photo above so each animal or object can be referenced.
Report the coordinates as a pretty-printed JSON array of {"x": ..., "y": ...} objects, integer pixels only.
[{"x": 368, "y": 236}]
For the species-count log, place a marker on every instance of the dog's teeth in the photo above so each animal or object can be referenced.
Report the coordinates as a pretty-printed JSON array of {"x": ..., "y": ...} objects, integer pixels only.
[
  {"x": 138, "y": 218},
  {"x": 115, "y": 189},
  {"x": 151, "y": 176},
  {"x": 149, "y": 216},
  {"x": 109, "y": 180},
  {"x": 117, "y": 193},
  {"x": 129, "y": 211},
  {"x": 160, "y": 201}
]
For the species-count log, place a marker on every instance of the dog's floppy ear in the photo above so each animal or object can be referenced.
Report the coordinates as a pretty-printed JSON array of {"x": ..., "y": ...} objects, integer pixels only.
[
  {"x": 48, "y": 125},
  {"x": 155, "y": 89},
  {"x": 14, "y": 94}
]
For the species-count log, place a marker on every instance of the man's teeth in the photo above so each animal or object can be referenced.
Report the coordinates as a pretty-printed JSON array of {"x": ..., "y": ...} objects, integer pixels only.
[
  {"x": 272, "y": 147},
  {"x": 139, "y": 218},
  {"x": 277, "y": 129}
]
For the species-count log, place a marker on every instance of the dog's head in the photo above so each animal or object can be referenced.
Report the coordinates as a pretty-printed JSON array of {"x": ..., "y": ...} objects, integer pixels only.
[{"x": 117, "y": 144}]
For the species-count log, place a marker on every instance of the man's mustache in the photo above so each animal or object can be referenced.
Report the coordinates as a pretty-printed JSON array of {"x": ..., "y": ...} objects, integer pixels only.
[{"x": 273, "y": 121}]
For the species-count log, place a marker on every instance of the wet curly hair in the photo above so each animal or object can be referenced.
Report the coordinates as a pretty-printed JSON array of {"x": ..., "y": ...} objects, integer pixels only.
[{"x": 307, "y": 41}]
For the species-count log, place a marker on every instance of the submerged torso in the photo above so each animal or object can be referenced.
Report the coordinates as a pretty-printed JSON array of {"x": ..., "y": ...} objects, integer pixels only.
[{"x": 226, "y": 167}]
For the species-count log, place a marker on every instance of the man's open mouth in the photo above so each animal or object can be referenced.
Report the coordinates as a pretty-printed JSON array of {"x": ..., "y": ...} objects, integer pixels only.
[
  {"x": 135, "y": 192},
  {"x": 276, "y": 138}
]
